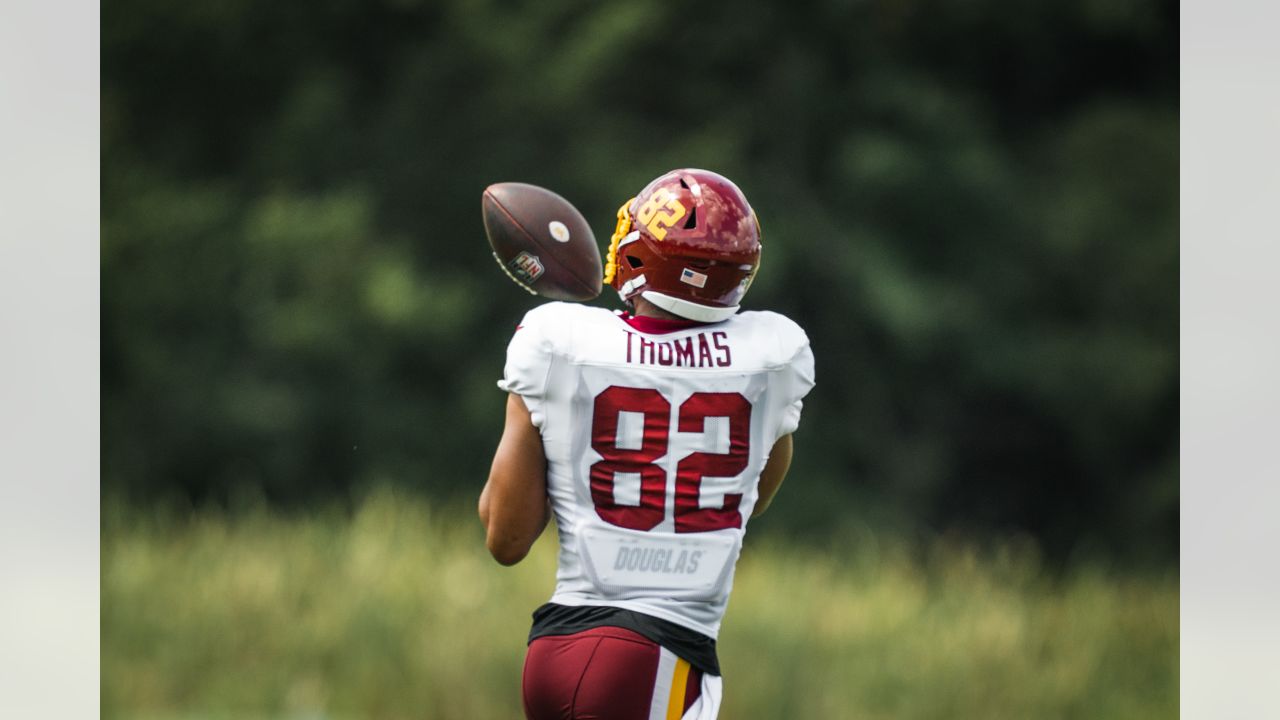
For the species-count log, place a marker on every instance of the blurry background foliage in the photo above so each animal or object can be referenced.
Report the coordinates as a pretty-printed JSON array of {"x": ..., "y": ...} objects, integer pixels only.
[{"x": 970, "y": 207}]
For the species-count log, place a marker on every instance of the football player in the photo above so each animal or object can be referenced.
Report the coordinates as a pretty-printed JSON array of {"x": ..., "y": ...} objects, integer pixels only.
[{"x": 652, "y": 436}]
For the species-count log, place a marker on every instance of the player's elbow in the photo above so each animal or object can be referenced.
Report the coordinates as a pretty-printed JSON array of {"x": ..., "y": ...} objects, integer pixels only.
[
  {"x": 506, "y": 551},
  {"x": 507, "y": 556}
]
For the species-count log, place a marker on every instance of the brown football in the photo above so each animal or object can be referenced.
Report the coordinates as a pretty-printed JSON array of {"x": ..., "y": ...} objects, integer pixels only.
[{"x": 542, "y": 241}]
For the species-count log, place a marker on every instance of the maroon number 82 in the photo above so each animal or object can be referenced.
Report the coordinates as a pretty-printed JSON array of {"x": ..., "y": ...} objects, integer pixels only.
[{"x": 691, "y": 469}]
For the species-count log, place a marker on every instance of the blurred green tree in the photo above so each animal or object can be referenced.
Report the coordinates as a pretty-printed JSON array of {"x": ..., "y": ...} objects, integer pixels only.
[{"x": 970, "y": 206}]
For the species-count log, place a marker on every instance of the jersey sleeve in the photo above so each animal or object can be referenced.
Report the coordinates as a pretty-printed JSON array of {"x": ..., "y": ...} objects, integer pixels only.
[
  {"x": 796, "y": 378},
  {"x": 528, "y": 366}
]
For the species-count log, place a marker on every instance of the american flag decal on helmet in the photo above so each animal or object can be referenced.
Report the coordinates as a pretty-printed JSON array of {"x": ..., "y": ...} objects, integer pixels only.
[{"x": 693, "y": 277}]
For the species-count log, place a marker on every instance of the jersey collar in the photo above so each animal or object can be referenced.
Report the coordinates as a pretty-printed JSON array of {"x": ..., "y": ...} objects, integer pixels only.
[{"x": 657, "y": 326}]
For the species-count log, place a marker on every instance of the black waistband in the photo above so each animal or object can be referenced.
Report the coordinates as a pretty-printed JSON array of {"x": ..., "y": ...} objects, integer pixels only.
[{"x": 696, "y": 648}]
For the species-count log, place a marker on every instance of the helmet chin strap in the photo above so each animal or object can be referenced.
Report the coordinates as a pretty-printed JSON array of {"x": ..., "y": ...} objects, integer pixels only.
[{"x": 689, "y": 310}]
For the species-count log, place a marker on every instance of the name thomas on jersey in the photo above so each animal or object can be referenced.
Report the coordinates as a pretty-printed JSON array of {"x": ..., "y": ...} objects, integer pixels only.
[{"x": 696, "y": 351}]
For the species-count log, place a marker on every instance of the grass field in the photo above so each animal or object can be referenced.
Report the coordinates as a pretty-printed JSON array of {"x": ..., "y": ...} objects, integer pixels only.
[{"x": 396, "y": 611}]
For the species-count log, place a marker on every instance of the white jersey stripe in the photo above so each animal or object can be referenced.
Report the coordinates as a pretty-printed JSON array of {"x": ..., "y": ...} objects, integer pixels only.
[{"x": 662, "y": 684}]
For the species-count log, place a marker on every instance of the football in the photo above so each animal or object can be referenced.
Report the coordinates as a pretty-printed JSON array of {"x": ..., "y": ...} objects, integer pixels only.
[{"x": 542, "y": 241}]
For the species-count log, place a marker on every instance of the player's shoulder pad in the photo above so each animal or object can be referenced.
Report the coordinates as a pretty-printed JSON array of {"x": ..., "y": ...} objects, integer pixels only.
[
  {"x": 554, "y": 320},
  {"x": 554, "y": 313},
  {"x": 790, "y": 337}
]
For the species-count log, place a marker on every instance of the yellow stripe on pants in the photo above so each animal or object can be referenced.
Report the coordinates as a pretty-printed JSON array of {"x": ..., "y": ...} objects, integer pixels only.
[{"x": 679, "y": 679}]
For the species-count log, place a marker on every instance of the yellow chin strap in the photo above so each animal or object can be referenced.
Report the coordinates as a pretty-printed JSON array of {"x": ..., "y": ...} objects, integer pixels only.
[{"x": 619, "y": 232}]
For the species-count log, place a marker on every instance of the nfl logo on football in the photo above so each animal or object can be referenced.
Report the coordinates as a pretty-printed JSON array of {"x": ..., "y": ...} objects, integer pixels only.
[{"x": 526, "y": 266}]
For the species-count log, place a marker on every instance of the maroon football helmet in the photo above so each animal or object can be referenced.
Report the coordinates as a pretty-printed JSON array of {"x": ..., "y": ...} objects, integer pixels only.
[{"x": 688, "y": 243}]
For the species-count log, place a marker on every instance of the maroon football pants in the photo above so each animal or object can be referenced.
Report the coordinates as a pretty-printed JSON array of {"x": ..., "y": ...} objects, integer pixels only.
[{"x": 605, "y": 673}]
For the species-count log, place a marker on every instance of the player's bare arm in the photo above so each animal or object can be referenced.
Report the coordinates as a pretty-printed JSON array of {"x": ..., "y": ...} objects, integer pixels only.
[{"x": 513, "y": 504}]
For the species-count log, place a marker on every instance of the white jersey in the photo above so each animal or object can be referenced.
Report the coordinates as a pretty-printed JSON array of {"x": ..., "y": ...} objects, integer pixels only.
[{"x": 655, "y": 442}]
